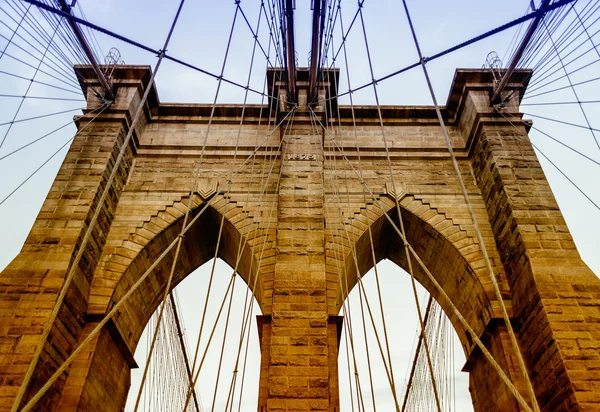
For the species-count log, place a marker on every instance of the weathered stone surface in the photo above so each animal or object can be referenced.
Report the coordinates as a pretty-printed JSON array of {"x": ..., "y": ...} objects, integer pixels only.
[{"x": 299, "y": 225}]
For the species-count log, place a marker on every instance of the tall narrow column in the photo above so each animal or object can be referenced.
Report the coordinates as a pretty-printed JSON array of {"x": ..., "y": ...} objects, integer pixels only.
[{"x": 298, "y": 373}]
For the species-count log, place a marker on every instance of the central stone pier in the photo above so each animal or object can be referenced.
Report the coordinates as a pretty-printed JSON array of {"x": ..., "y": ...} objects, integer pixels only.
[{"x": 299, "y": 339}]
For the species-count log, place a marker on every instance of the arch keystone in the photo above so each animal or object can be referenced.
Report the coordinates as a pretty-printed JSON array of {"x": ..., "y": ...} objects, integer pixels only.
[
  {"x": 396, "y": 194},
  {"x": 207, "y": 188}
]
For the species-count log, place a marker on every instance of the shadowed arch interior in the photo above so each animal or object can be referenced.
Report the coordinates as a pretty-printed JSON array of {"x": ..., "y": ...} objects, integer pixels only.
[
  {"x": 198, "y": 247},
  {"x": 449, "y": 267}
]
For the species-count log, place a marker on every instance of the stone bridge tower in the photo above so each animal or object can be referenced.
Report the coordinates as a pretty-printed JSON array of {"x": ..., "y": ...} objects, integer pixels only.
[{"x": 305, "y": 270}]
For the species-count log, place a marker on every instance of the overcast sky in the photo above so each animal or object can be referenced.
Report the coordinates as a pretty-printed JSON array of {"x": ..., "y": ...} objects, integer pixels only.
[{"x": 200, "y": 38}]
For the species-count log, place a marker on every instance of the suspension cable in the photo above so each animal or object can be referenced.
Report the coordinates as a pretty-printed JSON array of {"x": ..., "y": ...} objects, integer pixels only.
[
  {"x": 193, "y": 185},
  {"x": 398, "y": 210},
  {"x": 389, "y": 360},
  {"x": 573, "y": 89},
  {"x": 26, "y": 91},
  {"x": 49, "y": 158}
]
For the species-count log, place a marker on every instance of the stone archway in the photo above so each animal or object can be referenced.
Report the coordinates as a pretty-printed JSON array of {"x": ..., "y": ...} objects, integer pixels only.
[
  {"x": 448, "y": 252},
  {"x": 125, "y": 329},
  {"x": 451, "y": 268}
]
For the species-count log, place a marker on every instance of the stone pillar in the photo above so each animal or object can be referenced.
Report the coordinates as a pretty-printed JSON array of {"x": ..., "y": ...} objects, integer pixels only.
[
  {"x": 31, "y": 282},
  {"x": 299, "y": 339},
  {"x": 555, "y": 296}
]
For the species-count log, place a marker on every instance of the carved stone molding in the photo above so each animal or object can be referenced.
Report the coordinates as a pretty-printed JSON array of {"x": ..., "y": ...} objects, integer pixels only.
[
  {"x": 397, "y": 194},
  {"x": 207, "y": 188}
]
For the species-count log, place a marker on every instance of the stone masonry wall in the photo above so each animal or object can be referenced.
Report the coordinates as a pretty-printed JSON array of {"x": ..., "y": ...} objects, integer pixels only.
[{"x": 303, "y": 255}]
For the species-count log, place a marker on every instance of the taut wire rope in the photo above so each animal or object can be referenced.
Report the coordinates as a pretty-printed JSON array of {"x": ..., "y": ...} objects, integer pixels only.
[
  {"x": 16, "y": 76},
  {"x": 49, "y": 158},
  {"x": 15, "y": 32},
  {"x": 91, "y": 227},
  {"x": 40, "y": 116},
  {"x": 399, "y": 211},
  {"x": 586, "y": 31},
  {"x": 352, "y": 247},
  {"x": 37, "y": 69},
  {"x": 193, "y": 185},
  {"x": 575, "y": 185},
  {"x": 482, "y": 246},
  {"x": 360, "y": 170},
  {"x": 573, "y": 88},
  {"x": 443, "y": 295}
]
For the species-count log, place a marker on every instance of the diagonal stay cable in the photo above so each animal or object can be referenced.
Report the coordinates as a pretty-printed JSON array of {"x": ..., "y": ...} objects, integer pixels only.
[
  {"x": 398, "y": 210},
  {"x": 558, "y": 168},
  {"x": 37, "y": 70},
  {"x": 64, "y": 99},
  {"x": 508, "y": 325},
  {"x": 64, "y": 79},
  {"x": 595, "y": 79},
  {"x": 565, "y": 176},
  {"x": 44, "y": 163},
  {"x": 40, "y": 33},
  {"x": 586, "y": 31},
  {"x": 147, "y": 48},
  {"x": 562, "y": 121},
  {"x": 527, "y": 124},
  {"x": 15, "y": 31},
  {"x": 459, "y": 46},
  {"x": 39, "y": 82},
  {"x": 443, "y": 295},
  {"x": 573, "y": 90},
  {"x": 52, "y": 132},
  {"x": 91, "y": 226},
  {"x": 41, "y": 117},
  {"x": 550, "y": 103}
]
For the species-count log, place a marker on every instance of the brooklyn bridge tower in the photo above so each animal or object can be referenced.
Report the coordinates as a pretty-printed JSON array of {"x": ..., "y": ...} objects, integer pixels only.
[{"x": 302, "y": 195}]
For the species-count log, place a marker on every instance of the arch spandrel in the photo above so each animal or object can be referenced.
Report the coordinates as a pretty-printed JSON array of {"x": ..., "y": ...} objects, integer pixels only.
[
  {"x": 122, "y": 267},
  {"x": 446, "y": 248}
]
